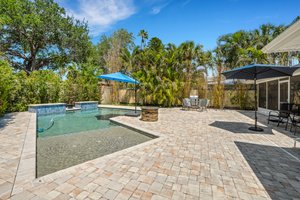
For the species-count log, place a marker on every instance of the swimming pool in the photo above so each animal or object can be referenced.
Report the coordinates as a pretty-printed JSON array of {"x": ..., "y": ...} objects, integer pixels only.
[{"x": 64, "y": 140}]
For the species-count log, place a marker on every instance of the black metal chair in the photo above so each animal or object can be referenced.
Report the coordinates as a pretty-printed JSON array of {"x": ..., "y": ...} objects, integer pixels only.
[
  {"x": 281, "y": 116},
  {"x": 295, "y": 117}
]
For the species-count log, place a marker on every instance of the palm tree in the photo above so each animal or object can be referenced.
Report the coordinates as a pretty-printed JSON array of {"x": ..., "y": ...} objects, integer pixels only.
[
  {"x": 187, "y": 56},
  {"x": 127, "y": 59},
  {"x": 144, "y": 35},
  {"x": 205, "y": 60},
  {"x": 218, "y": 90}
]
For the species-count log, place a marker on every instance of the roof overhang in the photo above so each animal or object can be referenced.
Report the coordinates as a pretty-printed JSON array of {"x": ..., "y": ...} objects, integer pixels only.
[{"x": 287, "y": 41}]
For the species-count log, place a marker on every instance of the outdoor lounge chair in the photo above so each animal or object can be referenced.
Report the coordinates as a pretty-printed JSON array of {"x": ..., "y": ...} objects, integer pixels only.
[{"x": 281, "y": 116}]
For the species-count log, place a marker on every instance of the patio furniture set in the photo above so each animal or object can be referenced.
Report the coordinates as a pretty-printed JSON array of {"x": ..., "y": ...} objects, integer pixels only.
[
  {"x": 288, "y": 113},
  {"x": 195, "y": 103}
]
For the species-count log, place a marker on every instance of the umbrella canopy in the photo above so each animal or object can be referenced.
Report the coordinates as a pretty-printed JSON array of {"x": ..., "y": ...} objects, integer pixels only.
[
  {"x": 259, "y": 71},
  {"x": 119, "y": 77}
]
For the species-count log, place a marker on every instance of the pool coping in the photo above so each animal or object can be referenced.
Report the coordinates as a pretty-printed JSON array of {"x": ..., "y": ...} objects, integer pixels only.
[
  {"x": 26, "y": 172},
  {"x": 47, "y": 104},
  {"x": 139, "y": 129},
  {"x": 118, "y": 107},
  {"x": 85, "y": 102}
]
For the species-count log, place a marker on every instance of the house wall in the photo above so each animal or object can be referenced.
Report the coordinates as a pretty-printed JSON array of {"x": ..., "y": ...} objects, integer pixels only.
[{"x": 293, "y": 91}]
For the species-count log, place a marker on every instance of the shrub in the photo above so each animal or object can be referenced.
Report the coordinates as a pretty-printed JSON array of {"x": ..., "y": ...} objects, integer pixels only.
[
  {"x": 80, "y": 85},
  {"x": 43, "y": 86},
  {"x": 242, "y": 97},
  {"x": 6, "y": 80}
]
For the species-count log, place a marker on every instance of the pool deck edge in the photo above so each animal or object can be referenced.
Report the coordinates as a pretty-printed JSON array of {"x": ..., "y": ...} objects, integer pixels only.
[
  {"x": 26, "y": 171},
  {"x": 136, "y": 128},
  {"x": 118, "y": 107}
]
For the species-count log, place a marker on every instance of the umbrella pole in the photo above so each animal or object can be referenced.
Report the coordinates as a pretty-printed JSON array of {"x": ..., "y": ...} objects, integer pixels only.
[
  {"x": 255, "y": 128},
  {"x": 135, "y": 113},
  {"x": 255, "y": 96},
  {"x": 135, "y": 98}
]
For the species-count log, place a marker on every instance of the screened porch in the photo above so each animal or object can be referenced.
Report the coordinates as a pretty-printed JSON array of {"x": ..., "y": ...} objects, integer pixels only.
[{"x": 273, "y": 92}]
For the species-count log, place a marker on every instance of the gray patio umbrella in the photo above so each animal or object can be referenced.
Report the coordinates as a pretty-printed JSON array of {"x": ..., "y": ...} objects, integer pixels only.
[{"x": 256, "y": 72}]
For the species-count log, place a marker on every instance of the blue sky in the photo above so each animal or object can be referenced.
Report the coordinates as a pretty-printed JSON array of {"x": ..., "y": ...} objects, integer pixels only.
[{"x": 176, "y": 21}]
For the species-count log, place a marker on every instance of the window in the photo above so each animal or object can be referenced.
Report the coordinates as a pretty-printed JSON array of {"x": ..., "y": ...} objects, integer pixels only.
[
  {"x": 262, "y": 95},
  {"x": 284, "y": 92},
  {"x": 273, "y": 95},
  {"x": 295, "y": 89}
]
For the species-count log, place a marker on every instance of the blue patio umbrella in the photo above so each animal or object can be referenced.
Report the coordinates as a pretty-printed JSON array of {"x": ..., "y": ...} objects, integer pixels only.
[
  {"x": 119, "y": 77},
  {"x": 256, "y": 72}
]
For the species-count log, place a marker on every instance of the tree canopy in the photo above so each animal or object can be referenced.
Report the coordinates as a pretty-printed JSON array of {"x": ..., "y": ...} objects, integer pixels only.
[
  {"x": 47, "y": 56},
  {"x": 38, "y": 34},
  {"x": 244, "y": 47}
]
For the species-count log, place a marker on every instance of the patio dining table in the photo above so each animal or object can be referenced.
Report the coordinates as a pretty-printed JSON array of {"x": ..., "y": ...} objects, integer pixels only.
[
  {"x": 194, "y": 102},
  {"x": 288, "y": 112}
]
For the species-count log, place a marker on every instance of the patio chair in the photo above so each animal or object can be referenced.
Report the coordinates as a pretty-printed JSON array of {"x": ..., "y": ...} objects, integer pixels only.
[
  {"x": 295, "y": 117},
  {"x": 206, "y": 104},
  {"x": 295, "y": 122},
  {"x": 281, "y": 116},
  {"x": 202, "y": 104},
  {"x": 186, "y": 104}
]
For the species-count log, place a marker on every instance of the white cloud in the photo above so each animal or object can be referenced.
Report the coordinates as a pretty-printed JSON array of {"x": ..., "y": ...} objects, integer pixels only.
[
  {"x": 156, "y": 9},
  {"x": 101, "y": 14}
]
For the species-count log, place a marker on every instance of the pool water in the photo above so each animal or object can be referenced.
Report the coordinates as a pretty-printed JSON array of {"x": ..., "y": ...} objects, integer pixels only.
[
  {"x": 73, "y": 138},
  {"x": 78, "y": 121}
]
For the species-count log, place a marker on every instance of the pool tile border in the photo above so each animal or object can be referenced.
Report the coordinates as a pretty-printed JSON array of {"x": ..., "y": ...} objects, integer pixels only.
[{"x": 46, "y": 109}]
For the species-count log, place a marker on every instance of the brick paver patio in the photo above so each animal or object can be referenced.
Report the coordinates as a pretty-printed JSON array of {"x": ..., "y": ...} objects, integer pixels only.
[{"x": 199, "y": 155}]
